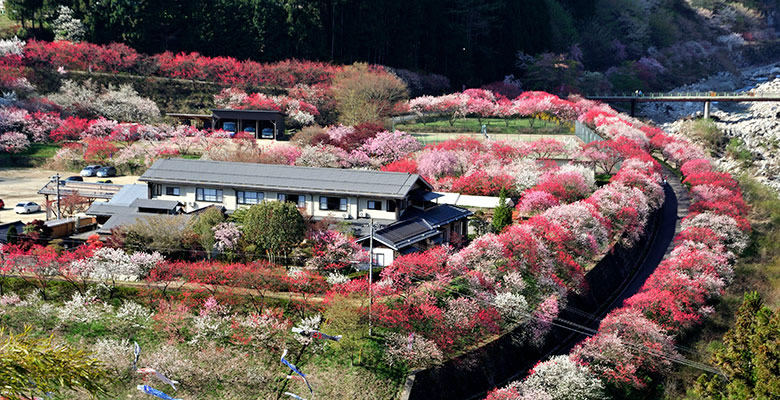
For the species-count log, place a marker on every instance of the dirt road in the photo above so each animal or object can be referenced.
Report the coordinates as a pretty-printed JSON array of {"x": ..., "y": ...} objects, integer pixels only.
[{"x": 22, "y": 185}]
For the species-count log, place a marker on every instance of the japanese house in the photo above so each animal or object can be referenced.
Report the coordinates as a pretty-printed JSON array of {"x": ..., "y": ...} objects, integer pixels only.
[{"x": 394, "y": 201}]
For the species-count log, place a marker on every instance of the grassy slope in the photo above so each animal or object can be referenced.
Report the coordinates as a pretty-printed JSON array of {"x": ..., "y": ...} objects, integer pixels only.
[
  {"x": 757, "y": 269},
  {"x": 36, "y": 154}
]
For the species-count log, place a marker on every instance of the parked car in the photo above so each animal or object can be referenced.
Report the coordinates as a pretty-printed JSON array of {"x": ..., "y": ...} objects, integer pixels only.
[
  {"x": 106, "y": 171},
  {"x": 26, "y": 208},
  {"x": 74, "y": 178},
  {"x": 229, "y": 127},
  {"x": 267, "y": 133},
  {"x": 90, "y": 170},
  {"x": 105, "y": 181}
]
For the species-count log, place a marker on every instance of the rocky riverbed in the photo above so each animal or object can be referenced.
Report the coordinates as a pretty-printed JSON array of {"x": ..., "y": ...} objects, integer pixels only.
[{"x": 757, "y": 125}]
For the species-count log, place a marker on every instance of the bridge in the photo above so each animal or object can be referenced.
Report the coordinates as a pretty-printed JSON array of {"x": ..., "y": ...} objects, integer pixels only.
[{"x": 704, "y": 97}]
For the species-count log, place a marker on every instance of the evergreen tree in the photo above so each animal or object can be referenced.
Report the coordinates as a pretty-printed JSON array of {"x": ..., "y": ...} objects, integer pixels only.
[
  {"x": 274, "y": 227},
  {"x": 750, "y": 357},
  {"x": 502, "y": 215}
]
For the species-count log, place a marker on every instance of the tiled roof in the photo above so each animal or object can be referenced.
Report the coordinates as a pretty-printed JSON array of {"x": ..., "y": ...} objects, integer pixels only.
[
  {"x": 418, "y": 225},
  {"x": 283, "y": 178}
]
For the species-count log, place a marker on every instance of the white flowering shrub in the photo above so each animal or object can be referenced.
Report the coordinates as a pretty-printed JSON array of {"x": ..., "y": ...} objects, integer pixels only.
[
  {"x": 564, "y": 379},
  {"x": 13, "y": 46},
  {"x": 82, "y": 309},
  {"x": 414, "y": 350},
  {"x": 10, "y": 299},
  {"x": 587, "y": 173},
  {"x": 723, "y": 226},
  {"x": 121, "y": 104},
  {"x": 115, "y": 354},
  {"x": 134, "y": 314},
  {"x": 335, "y": 278},
  {"x": 513, "y": 307},
  {"x": 485, "y": 254}
]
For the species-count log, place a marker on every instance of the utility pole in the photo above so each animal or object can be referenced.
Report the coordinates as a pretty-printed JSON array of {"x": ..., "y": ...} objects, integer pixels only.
[
  {"x": 370, "y": 271},
  {"x": 57, "y": 182}
]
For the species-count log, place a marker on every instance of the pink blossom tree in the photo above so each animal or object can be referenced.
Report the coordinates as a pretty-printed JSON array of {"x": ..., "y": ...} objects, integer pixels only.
[
  {"x": 387, "y": 147},
  {"x": 536, "y": 201}
]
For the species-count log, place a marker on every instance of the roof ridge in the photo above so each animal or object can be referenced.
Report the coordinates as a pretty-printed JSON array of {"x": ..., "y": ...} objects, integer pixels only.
[{"x": 283, "y": 166}]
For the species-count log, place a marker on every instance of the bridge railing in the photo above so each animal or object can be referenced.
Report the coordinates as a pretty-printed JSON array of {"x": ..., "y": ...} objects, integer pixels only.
[
  {"x": 684, "y": 94},
  {"x": 586, "y": 134}
]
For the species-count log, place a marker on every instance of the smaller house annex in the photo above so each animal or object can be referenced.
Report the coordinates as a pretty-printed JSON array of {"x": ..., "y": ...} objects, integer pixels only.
[
  {"x": 262, "y": 124},
  {"x": 389, "y": 200}
]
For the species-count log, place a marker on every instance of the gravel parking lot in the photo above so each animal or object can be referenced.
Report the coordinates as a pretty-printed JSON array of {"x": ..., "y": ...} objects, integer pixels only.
[{"x": 22, "y": 184}]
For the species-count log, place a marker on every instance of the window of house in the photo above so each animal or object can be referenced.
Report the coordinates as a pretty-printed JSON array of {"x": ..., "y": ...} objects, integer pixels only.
[
  {"x": 211, "y": 195},
  {"x": 281, "y": 197},
  {"x": 333, "y": 203},
  {"x": 391, "y": 205},
  {"x": 156, "y": 190},
  {"x": 379, "y": 259},
  {"x": 374, "y": 205},
  {"x": 171, "y": 191},
  {"x": 298, "y": 199},
  {"x": 243, "y": 197}
]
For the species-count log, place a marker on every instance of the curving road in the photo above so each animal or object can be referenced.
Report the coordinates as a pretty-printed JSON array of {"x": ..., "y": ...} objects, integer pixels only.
[{"x": 675, "y": 208}]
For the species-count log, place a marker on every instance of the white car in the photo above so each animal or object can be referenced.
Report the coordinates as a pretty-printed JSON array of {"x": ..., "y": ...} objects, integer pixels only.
[
  {"x": 26, "y": 208},
  {"x": 90, "y": 170}
]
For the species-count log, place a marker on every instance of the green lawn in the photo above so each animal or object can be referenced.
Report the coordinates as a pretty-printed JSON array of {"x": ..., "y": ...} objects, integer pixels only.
[
  {"x": 493, "y": 125},
  {"x": 36, "y": 154},
  {"x": 38, "y": 150}
]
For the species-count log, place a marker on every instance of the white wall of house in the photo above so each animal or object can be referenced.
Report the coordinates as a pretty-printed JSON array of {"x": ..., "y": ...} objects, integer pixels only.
[
  {"x": 356, "y": 206},
  {"x": 383, "y": 256},
  {"x": 382, "y": 213}
]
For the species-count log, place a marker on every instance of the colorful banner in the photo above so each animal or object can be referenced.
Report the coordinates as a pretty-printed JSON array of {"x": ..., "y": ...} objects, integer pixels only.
[{"x": 154, "y": 392}]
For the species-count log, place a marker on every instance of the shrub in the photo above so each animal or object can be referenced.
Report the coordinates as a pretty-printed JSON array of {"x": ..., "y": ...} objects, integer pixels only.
[
  {"x": 403, "y": 165},
  {"x": 273, "y": 227},
  {"x": 437, "y": 163},
  {"x": 366, "y": 94},
  {"x": 71, "y": 129},
  {"x": 387, "y": 147},
  {"x": 536, "y": 201},
  {"x": 88, "y": 100},
  {"x": 563, "y": 378},
  {"x": 567, "y": 187},
  {"x": 323, "y": 156},
  {"x": 13, "y": 142},
  {"x": 307, "y": 134},
  {"x": 481, "y": 184}
]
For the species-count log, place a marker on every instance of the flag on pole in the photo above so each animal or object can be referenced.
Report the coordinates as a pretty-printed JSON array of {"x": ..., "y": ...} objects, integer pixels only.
[
  {"x": 136, "y": 353},
  {"x": 154, "y": 392},
  {"x": 159, "y": 376},
  {"x": 315, "y": 334},
  {"x": 296, "y": 370}
]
